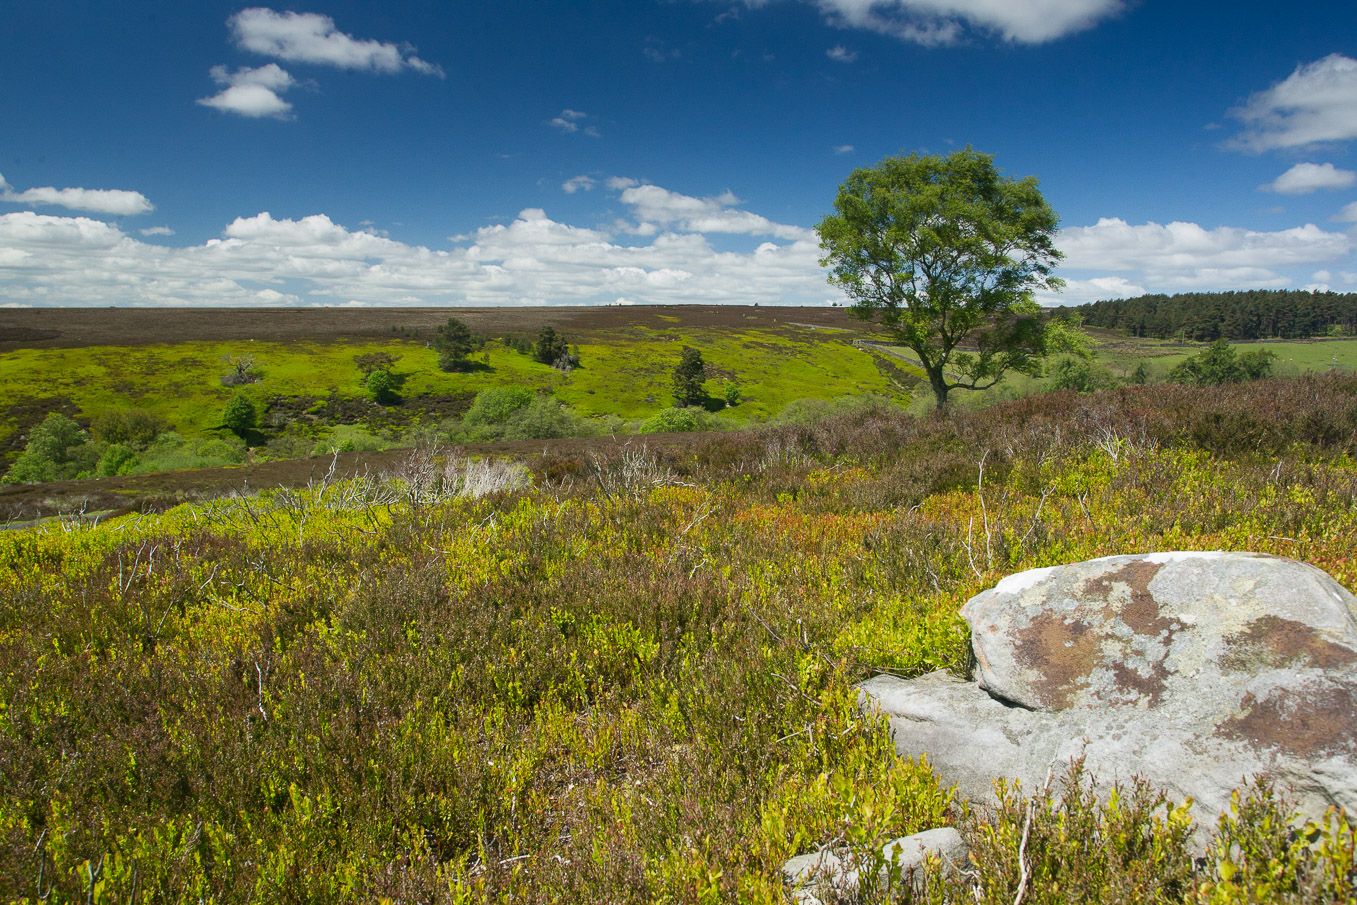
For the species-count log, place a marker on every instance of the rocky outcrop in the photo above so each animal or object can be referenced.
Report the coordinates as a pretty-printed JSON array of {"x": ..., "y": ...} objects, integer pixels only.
[{"x": 1192, "y": 670}]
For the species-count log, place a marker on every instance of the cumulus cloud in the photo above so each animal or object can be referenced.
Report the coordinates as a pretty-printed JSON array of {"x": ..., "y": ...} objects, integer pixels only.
[
  {"x": 1348, "y": 214},
  {"x": 578, "y": 183},
  {"x": 1304, "y": 178},
  {"x": 663, "y": 253},
  {"x": 112, "y": 202},
  {"x": 840, "y": 54},
  {"x": 940, "y": 22},
  {"x": 1079, "y": 292},
  {"x": 313, "y": 38},
  {"x": 1181, "y": 256},
  {"x": 156, "y": 231},
  {"x": 260, "y": 259},
  {"x": 1316, "y": 104},
  {"x": 653, "y": 204},
  {"x": 251, "y": 92}
]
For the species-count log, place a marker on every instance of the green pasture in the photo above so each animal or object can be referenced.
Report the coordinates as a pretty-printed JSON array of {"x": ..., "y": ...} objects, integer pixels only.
[{"x": 625, "y": 373}]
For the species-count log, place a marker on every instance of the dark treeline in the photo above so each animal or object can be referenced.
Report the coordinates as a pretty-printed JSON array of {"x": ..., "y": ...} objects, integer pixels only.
[{"x": 1206, "y": 316}]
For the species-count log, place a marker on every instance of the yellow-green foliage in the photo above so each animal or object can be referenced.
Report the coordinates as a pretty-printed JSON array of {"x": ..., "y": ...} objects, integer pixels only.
[
  {"x": 629, "y": 683},
  {"x": 624, "y": 374}
]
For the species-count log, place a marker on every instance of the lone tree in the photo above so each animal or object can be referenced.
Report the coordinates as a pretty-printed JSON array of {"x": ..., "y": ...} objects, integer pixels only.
[
  {"x": 550, "y": 347},
  {"x": 453, "y": 342},
  {"x": 945, "y": 253},
  {"x": 689, "y": 375},
  {"x": 239, "y": 417}
]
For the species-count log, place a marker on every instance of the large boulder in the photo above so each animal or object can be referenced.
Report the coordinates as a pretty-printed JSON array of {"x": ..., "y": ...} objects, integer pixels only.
[{"x": 1192, "y": 670}]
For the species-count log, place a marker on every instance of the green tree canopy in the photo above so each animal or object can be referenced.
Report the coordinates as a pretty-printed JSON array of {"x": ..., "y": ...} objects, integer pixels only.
[
  {"x": 239, "y": 417},
  {"x": 1219, "y": 363},
  {"x": 945, "y": 252},
  {"x": 57, "y": 450},
  {"x": 689, "y": 375},
  {"x": 381, "y": 386},
  {"x": 550, "y": 347},
  {"x": 453, "y": 342}
]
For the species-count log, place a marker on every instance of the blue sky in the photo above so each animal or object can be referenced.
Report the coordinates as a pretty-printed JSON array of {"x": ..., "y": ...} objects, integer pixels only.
[{"x": 650, "y": 151}]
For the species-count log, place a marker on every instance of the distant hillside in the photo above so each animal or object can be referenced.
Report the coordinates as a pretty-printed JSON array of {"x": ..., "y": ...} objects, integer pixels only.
[{"x": 1205, "y": 316}]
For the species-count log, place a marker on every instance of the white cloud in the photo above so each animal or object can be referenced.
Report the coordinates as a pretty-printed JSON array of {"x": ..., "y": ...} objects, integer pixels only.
[
  {"x": 1078, "y": 292},
  {"x": 251, "y": 92},
  {"x": 663, "y": 253},
  {"x": 841, "y": 54},
  {"x": 1315, "y": 104},
  {"x": 844, "y": 149},
  {"x": 156, "y": 231},
  {"x": 940, "y": 22},
  {"x": 1348, "y": 214},
  {"x": 1181, "y": 256},
  {"x": 1304, "y": 178},
  {"x": 313, "y": 38},
  {"x": 113, "y": 202},
  {"x": 653, "y": 204},
  {"x": 569, "y": 121},
  {"x": 577, "y": 183},
  {"x": 260, "y": 259}
]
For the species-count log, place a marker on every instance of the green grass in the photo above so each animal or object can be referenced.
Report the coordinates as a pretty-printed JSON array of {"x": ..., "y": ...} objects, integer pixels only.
[
  {"x": 1122, "y": 355},
  {"x": 625, "y": 373}
]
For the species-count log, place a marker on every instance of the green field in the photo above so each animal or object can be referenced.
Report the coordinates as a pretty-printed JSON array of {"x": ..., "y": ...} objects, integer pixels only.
[
  {"x": 310, "y": 394},
  {"x": 625, "y": 373}
]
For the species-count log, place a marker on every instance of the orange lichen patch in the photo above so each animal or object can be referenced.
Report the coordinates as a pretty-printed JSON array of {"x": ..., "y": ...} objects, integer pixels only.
[
  {"x": 1272, "y": 642},
  {"x": 1062, "y": 654},
  {"x": 1307, "y": 723},
  {"x": 1141, "y": 612}
]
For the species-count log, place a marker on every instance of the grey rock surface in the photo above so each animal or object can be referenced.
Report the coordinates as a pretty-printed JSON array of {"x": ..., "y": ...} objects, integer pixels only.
[
  {"x": 808, "y": 874},
  {"x": 1192, "y": 670}
]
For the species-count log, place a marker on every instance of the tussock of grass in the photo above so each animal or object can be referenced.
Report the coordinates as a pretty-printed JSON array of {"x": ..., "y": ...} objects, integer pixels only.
[{"x": 627, "y": 682}]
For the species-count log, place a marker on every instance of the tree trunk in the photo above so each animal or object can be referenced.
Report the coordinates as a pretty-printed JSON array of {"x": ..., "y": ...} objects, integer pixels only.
[{"x": 938, "y": 381}]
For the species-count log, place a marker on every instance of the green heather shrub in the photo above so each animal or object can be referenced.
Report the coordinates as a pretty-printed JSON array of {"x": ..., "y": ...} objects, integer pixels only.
[
  {"x": 1081, "y": 376},
  {"x": 57, "y": 450},
  {"x": 1219, "y": 364},
  {"x": 172, "y": 452},
  {"x": 677, "y": 420},
  {"x": 347, "y": 437},
  {"x": 134, "y": 428},
  {"x": 497, "y": 404},
  {"x": 117, "y": 459},
  {"x": 810, "y": 411},
  {"x": 515, "y": 413}
]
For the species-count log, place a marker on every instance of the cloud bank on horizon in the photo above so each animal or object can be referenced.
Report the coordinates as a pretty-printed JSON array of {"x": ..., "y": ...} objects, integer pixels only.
[{"x": 535, "y": 260}]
